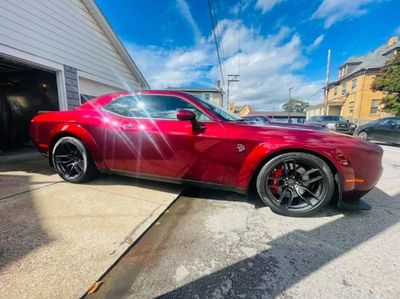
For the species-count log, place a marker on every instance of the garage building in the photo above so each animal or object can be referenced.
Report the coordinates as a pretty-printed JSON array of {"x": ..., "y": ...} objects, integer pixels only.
[{"x": 54, "y": 55}]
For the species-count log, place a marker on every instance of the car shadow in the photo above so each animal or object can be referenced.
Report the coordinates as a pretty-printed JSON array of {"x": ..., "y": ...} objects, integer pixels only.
[
  {"x": 28, "y": 160},
  {"x": 294, "y": 256},
  {"x": 251, "y": 198},
  {"x": 104, "y": 179}
]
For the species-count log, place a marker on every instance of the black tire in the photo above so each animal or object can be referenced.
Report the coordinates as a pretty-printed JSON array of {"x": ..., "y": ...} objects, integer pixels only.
[
  {"x": 295, "y": 184},
  {"x": 72, "y": 161},
  {"x": 363, "y": 135}
]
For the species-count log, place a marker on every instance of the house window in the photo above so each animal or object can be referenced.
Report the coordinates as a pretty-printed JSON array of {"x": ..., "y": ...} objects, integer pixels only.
[
  {"x": 351, "y": 107},
  {"x": 374, "y": 106},
  {"x": 353, "y": 84},
  {"x": 207, "y": 96},
  {"x": 335, "y": 90},
  {"x": 343, "y": 89}
]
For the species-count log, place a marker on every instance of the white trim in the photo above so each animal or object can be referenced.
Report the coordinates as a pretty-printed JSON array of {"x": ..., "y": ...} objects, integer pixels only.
[
  {"x": 41, "y": 63},
  {"x": 61, "y": 89}
]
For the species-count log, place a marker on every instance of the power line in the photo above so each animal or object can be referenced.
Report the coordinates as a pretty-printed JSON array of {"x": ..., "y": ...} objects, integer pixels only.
[
  {"x": 216, "y": 42},
  {"x": 310, "y": 97}
]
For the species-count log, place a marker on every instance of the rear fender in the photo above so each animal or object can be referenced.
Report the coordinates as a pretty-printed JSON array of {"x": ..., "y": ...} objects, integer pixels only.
[{"x": 79, "y": 132}]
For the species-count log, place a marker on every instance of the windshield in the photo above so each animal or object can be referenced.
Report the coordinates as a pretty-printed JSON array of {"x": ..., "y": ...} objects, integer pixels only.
[
  {"x": 334, "y": 118},
  {"x": 221, "y": 112}
]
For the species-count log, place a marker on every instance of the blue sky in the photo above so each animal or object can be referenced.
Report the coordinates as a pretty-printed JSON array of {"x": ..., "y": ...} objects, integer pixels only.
[{"x": 272, "y": 44}]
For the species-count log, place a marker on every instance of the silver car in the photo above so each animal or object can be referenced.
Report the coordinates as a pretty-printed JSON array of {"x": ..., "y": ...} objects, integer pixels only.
[{"x": 332, "y": 122}]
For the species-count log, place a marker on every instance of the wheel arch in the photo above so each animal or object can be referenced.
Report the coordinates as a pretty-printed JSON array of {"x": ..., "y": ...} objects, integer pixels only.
[
  {"x": 78, "y": 132},
  {"x": 338, "y": 181}
]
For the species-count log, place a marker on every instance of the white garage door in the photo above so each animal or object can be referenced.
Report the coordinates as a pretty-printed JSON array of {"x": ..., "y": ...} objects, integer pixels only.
[{"x": 92, "y": 88}]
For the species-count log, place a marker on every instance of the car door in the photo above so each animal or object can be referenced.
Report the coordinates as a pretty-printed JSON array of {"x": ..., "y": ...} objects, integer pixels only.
[
  {"x": 395, "y": 131},
  {"x": 384, "y": 130},
  {"x": 161, "y": 145}
]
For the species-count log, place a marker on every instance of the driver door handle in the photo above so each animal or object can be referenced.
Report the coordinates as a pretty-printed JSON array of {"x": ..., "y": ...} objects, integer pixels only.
[{"x": 128, "y": 127}]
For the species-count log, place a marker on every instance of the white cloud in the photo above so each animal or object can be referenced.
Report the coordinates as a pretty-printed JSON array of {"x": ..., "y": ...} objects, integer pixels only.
[
  {"x": 240, "y": 7},
  {"x": 316, "y": 42},
  {"x": 177, "y": 67},
  {"x": 333, "y": 11},
  {"x": 267, "y": 5},
  {"x": 184, "y": 8},
  {"x": 267, "y": 64}
]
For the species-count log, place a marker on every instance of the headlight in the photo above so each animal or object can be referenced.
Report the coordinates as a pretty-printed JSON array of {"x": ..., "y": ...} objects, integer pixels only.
[
  {"x": 353, "y": 126},
  {"x": 331, "y": 125}
]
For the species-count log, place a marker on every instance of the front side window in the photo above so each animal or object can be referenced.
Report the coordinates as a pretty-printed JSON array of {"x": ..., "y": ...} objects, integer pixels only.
[
  {"x": 152, "y": 106},
  {"x": 390, "y": 122}
]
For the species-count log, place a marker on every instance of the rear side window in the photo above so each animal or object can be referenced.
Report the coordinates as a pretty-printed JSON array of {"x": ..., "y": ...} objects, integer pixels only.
[{"x": 152, "y": 106}]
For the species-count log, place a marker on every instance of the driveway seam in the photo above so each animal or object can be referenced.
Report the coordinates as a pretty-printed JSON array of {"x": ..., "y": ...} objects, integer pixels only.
[
  {"x": 130, "y": 196},
  {"x": 30, "y": 190}
]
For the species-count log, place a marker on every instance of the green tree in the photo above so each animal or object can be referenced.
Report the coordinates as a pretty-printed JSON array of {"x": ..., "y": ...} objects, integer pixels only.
[
  {"x": 295, "y": 105},
  {"x": 389, "y": 83}
]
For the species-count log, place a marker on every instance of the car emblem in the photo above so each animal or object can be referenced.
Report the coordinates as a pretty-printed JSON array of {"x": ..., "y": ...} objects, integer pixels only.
[{"x": 240, "y": 148}]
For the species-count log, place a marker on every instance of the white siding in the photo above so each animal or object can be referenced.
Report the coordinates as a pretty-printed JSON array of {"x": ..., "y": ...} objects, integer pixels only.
[{"x": 65, "y": 32}]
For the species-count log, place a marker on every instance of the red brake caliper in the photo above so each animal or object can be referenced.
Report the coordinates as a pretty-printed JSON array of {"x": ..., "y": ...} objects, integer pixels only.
[{"x": 278, "y": 172}]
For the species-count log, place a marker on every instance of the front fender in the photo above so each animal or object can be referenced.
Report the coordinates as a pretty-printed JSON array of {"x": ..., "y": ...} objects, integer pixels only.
[
  {"x": 265, "y": 151},
  {"x": 78, "y": 131}
]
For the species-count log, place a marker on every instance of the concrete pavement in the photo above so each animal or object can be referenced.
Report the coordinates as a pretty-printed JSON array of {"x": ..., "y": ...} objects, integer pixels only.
[
  {"x": 56, "y": 238},
  {"x": 215, "y": 244}
]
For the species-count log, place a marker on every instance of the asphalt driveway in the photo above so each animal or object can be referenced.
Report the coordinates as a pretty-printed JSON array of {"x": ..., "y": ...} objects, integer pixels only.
[
  {"x": 57, "y": 238},
  {"x": 221, "y": 245}
]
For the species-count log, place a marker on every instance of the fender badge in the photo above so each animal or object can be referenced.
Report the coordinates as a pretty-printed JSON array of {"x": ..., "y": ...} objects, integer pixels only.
[{"x": 240, "y": 147}]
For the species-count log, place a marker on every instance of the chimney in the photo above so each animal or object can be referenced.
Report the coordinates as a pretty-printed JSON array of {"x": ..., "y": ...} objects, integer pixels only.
[
  {"x": 218, "y": 84},
  {"x": 392, "y": 40}
]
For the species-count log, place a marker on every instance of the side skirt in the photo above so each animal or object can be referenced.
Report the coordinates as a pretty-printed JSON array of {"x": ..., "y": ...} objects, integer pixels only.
[{"x": 175, "y": 180}]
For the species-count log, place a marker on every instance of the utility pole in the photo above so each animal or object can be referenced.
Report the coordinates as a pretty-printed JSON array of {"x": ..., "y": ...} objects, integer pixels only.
[
  {"x": 289, "y": 102},
  {"x": 328, "y": 72},
  {"x": 231, "y": 78}
]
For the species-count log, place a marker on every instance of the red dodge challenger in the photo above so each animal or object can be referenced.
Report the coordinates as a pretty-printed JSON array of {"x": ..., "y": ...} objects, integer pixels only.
[{"x": 176, "y": 137}]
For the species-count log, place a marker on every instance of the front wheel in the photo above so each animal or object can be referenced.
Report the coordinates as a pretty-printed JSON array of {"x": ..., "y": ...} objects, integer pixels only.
[
  {"x": 72, "y": 161},
  {"x": 295, "y": 184}
]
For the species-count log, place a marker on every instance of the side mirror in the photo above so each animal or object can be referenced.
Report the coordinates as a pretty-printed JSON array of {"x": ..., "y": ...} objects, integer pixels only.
[{"x": 186, "y": 115}]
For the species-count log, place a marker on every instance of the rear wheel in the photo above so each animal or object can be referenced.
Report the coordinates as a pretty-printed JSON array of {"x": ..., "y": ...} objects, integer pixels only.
[
  {"x": 295, "y": 184},
  {"x": 363, "y": 135},
  {"x": 72, "y": 161}
]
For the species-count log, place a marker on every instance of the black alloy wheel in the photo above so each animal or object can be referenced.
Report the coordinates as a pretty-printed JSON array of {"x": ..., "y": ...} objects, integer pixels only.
[
  {"x": 296, "y": 184},
  {"x": 72, "y": 161}
]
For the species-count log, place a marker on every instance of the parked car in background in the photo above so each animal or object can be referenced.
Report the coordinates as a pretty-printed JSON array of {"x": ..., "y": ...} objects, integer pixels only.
[
  {"x": 384, "y": 129},
  {"x": 176, "y": 137},
  {"x": 257, "y": 119},
  {"x": 332, "y": 122}
]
